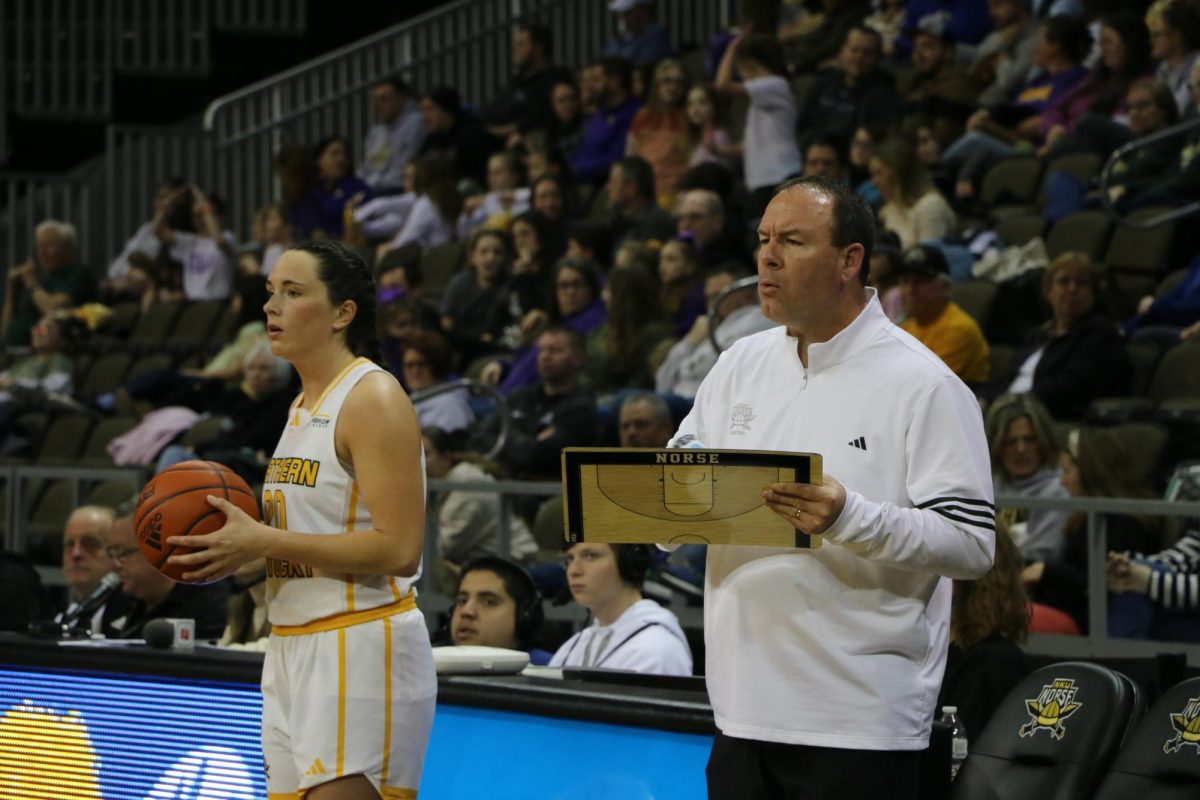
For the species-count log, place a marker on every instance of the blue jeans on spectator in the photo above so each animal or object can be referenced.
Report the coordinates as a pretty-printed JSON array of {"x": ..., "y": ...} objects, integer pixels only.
[{"x": 970, "y": 156}]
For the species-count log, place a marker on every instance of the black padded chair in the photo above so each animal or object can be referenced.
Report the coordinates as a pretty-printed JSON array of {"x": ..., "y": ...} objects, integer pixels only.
[
  {"x": 1161, "y": 759},
  {"x": 1053, "y": 737}
]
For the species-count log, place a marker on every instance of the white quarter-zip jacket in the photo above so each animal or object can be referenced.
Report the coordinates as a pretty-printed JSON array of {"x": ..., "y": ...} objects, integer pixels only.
[{"x": 844, "y": 645}]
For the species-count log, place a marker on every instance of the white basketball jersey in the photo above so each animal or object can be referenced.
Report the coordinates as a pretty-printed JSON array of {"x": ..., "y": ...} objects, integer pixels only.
[{"x": 307, "y": 489}]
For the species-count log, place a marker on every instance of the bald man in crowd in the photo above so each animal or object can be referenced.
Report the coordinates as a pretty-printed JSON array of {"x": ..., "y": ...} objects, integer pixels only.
[
  {"x": 84, "y": 561},
  {"x": 700, "y": 217}
]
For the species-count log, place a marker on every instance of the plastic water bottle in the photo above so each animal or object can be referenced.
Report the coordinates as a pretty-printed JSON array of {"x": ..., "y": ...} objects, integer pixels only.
[{"x": 958, "y": 739}]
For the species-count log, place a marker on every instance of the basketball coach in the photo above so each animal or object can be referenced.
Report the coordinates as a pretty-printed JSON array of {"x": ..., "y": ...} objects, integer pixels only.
[{"x": 823, "y": 664}]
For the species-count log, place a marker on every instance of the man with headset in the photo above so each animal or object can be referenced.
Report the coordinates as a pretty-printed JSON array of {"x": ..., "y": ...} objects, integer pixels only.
[
  {"x": 626, "y": 632},
  {"x": 497, "y": 604}
]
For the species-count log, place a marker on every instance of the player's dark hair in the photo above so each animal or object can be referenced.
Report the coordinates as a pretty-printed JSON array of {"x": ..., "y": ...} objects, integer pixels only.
[
  {"x": 853, "y": 221},
  {"x": 346, "y": 277}
]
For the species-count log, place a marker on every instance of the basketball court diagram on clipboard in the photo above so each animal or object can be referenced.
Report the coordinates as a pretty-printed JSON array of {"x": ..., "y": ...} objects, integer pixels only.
[{"x": 677, "y": 496}]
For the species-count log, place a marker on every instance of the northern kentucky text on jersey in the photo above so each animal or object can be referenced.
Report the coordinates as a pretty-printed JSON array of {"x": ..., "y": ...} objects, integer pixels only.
[{"x": 298, "y": 471}]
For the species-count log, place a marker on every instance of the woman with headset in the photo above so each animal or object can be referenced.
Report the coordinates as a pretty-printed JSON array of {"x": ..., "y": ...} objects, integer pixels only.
[{"x": 626, "y": 632}]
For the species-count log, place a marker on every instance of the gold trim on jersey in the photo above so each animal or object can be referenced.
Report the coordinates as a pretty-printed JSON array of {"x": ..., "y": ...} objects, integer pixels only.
[
  {"x": 294, "y": 410},
  {"x": 285, "y": 795},
  {"x": 351, "y": 514},
  {"x": 335, "y": 622},
  {"x": 333, "y": 383}
]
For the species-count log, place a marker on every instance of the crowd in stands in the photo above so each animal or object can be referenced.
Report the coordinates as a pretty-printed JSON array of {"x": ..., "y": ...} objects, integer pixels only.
[{"x": 576, "y": 243}]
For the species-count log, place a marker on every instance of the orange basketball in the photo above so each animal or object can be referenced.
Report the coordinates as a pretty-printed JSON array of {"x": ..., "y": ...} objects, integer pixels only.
[{"x": 173, "y": 504}]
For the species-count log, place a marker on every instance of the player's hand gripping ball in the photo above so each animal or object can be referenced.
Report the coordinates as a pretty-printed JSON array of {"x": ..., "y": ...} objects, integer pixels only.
[{"x": 174, "y": 503}]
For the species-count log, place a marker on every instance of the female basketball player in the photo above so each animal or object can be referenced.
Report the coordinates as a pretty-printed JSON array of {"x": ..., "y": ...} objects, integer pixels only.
[{"x": 348, "y": 682}]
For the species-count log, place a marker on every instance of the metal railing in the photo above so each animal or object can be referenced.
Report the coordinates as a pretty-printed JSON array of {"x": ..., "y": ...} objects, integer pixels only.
[
  {"x": 740, "y": 285},
  {"x": 1146, "y": 221},
  {"x": 137, "y": 159},
  {"x": 153, "y": 36},
  {"x": 465, "y": 44},
  {"x": 60, "y": 57},
  {"x": 1096, "y": 643},
  {"x": 19, "y": 504},
  {"x": 263, "y": 16},
  {"x": 475, "y": 387}
]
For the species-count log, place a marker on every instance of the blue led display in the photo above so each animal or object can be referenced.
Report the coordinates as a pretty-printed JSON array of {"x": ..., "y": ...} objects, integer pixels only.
[{"x": 82, "y": 737}]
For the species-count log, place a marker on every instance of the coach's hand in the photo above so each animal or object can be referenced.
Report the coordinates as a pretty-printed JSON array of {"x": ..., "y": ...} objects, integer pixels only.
[
  {"x": 220, "y": 553},
  {"x": 811, "y": 508}
]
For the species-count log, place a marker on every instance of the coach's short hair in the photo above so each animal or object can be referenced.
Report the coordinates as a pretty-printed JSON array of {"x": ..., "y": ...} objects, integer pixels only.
[{"x": 853, "y": 221}]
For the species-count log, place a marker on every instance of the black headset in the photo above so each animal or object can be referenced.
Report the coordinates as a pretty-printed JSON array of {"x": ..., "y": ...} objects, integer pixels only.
[
  {"x": 521, "y": 587},
  {"x": 633, "y": 560}
]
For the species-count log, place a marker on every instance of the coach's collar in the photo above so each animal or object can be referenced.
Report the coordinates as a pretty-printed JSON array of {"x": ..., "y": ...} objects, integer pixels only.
[{"x": 850, "y": 339}]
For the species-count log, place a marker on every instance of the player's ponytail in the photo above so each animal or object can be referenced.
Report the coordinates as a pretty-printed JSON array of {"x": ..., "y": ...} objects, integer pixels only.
[{"x": 346, "y": 277}]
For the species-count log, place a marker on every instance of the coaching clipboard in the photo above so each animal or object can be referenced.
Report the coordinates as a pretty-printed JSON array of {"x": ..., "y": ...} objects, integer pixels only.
[{"x": 680, "y": 496}]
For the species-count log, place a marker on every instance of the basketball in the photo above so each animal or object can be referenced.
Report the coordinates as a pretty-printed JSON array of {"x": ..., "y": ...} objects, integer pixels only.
[{"x": 173, "y": 503}]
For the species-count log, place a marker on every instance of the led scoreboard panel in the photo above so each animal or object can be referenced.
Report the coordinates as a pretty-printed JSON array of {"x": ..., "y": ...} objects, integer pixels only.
[{"x": 147, "y": 724}]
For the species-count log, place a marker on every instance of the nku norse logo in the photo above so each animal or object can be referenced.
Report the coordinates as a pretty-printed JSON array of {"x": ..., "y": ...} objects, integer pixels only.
[
  {"x": 1187, "y": 728},
  {"x": 1053, "y": 705},
  {"x": 740, "y": 418}
]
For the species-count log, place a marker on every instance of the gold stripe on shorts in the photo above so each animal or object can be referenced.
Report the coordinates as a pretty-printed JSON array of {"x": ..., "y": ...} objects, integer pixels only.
[
  {"x": 387, "y": 701},
  {"x": 341, "y": 723},
  {"x": 335, "y": 622},
  {"x": 397, "y": 793}
]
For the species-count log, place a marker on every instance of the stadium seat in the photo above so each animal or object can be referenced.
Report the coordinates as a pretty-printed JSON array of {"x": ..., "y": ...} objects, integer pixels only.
[
  {"x": 1001, "y": 357},
  {"x": 155, "y": 325},
  {"x": 154, "y": 362},
  {"x": 194, "y": 328},
  {"x": 1084, "y": 166},
  {"x": 1108, "y": 410},
  {"x": 1144, "y": 441},
  {"x": 438, "y": 265},
  {"x": 105, "y": 374},
  {"x": 63, "y": 440},
  {"x": 1161, "y": 759},
  {"x": 1053, "y": 736},
  {"x": 1087, "y": 231},
  {"x": 975, "y": 298},
  {"x": 1019, "y": 229},
  {"x": 204, "y": 431},
  {"x": 1136, "y": 260},
  {"x": 51, "y": 508},
  {"x": 548, "y": 526},
  {"x": 112, "y": 493},
  {"x": 1178, "y": 375},
  {"x": 1169, "y": 282},
  {"x": 227, "y": 326},
  {"x": 124, "y": 318},
  {"x": 1012, "y": 181},
  {"x": 95, "y": 452}
]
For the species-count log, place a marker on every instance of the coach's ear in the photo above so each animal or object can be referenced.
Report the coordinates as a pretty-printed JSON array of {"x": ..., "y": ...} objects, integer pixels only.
[
  {"x": 344, "y": 315},
  {"x": 851, "y": 263}
]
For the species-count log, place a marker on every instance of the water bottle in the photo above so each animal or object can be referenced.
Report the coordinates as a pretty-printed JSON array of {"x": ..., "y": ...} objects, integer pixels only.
[{"x": 958, "y": 739}]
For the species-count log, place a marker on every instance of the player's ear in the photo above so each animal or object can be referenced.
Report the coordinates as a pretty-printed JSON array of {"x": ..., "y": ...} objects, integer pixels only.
[{"x": 344, "y": 315}]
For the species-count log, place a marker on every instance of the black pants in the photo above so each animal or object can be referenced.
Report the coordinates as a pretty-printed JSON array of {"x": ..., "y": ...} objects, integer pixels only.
[{"x": 742, "y": 769}]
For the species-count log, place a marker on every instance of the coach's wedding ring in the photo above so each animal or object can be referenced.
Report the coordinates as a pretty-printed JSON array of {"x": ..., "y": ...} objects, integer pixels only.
[{"x": 796, "y": 513}]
